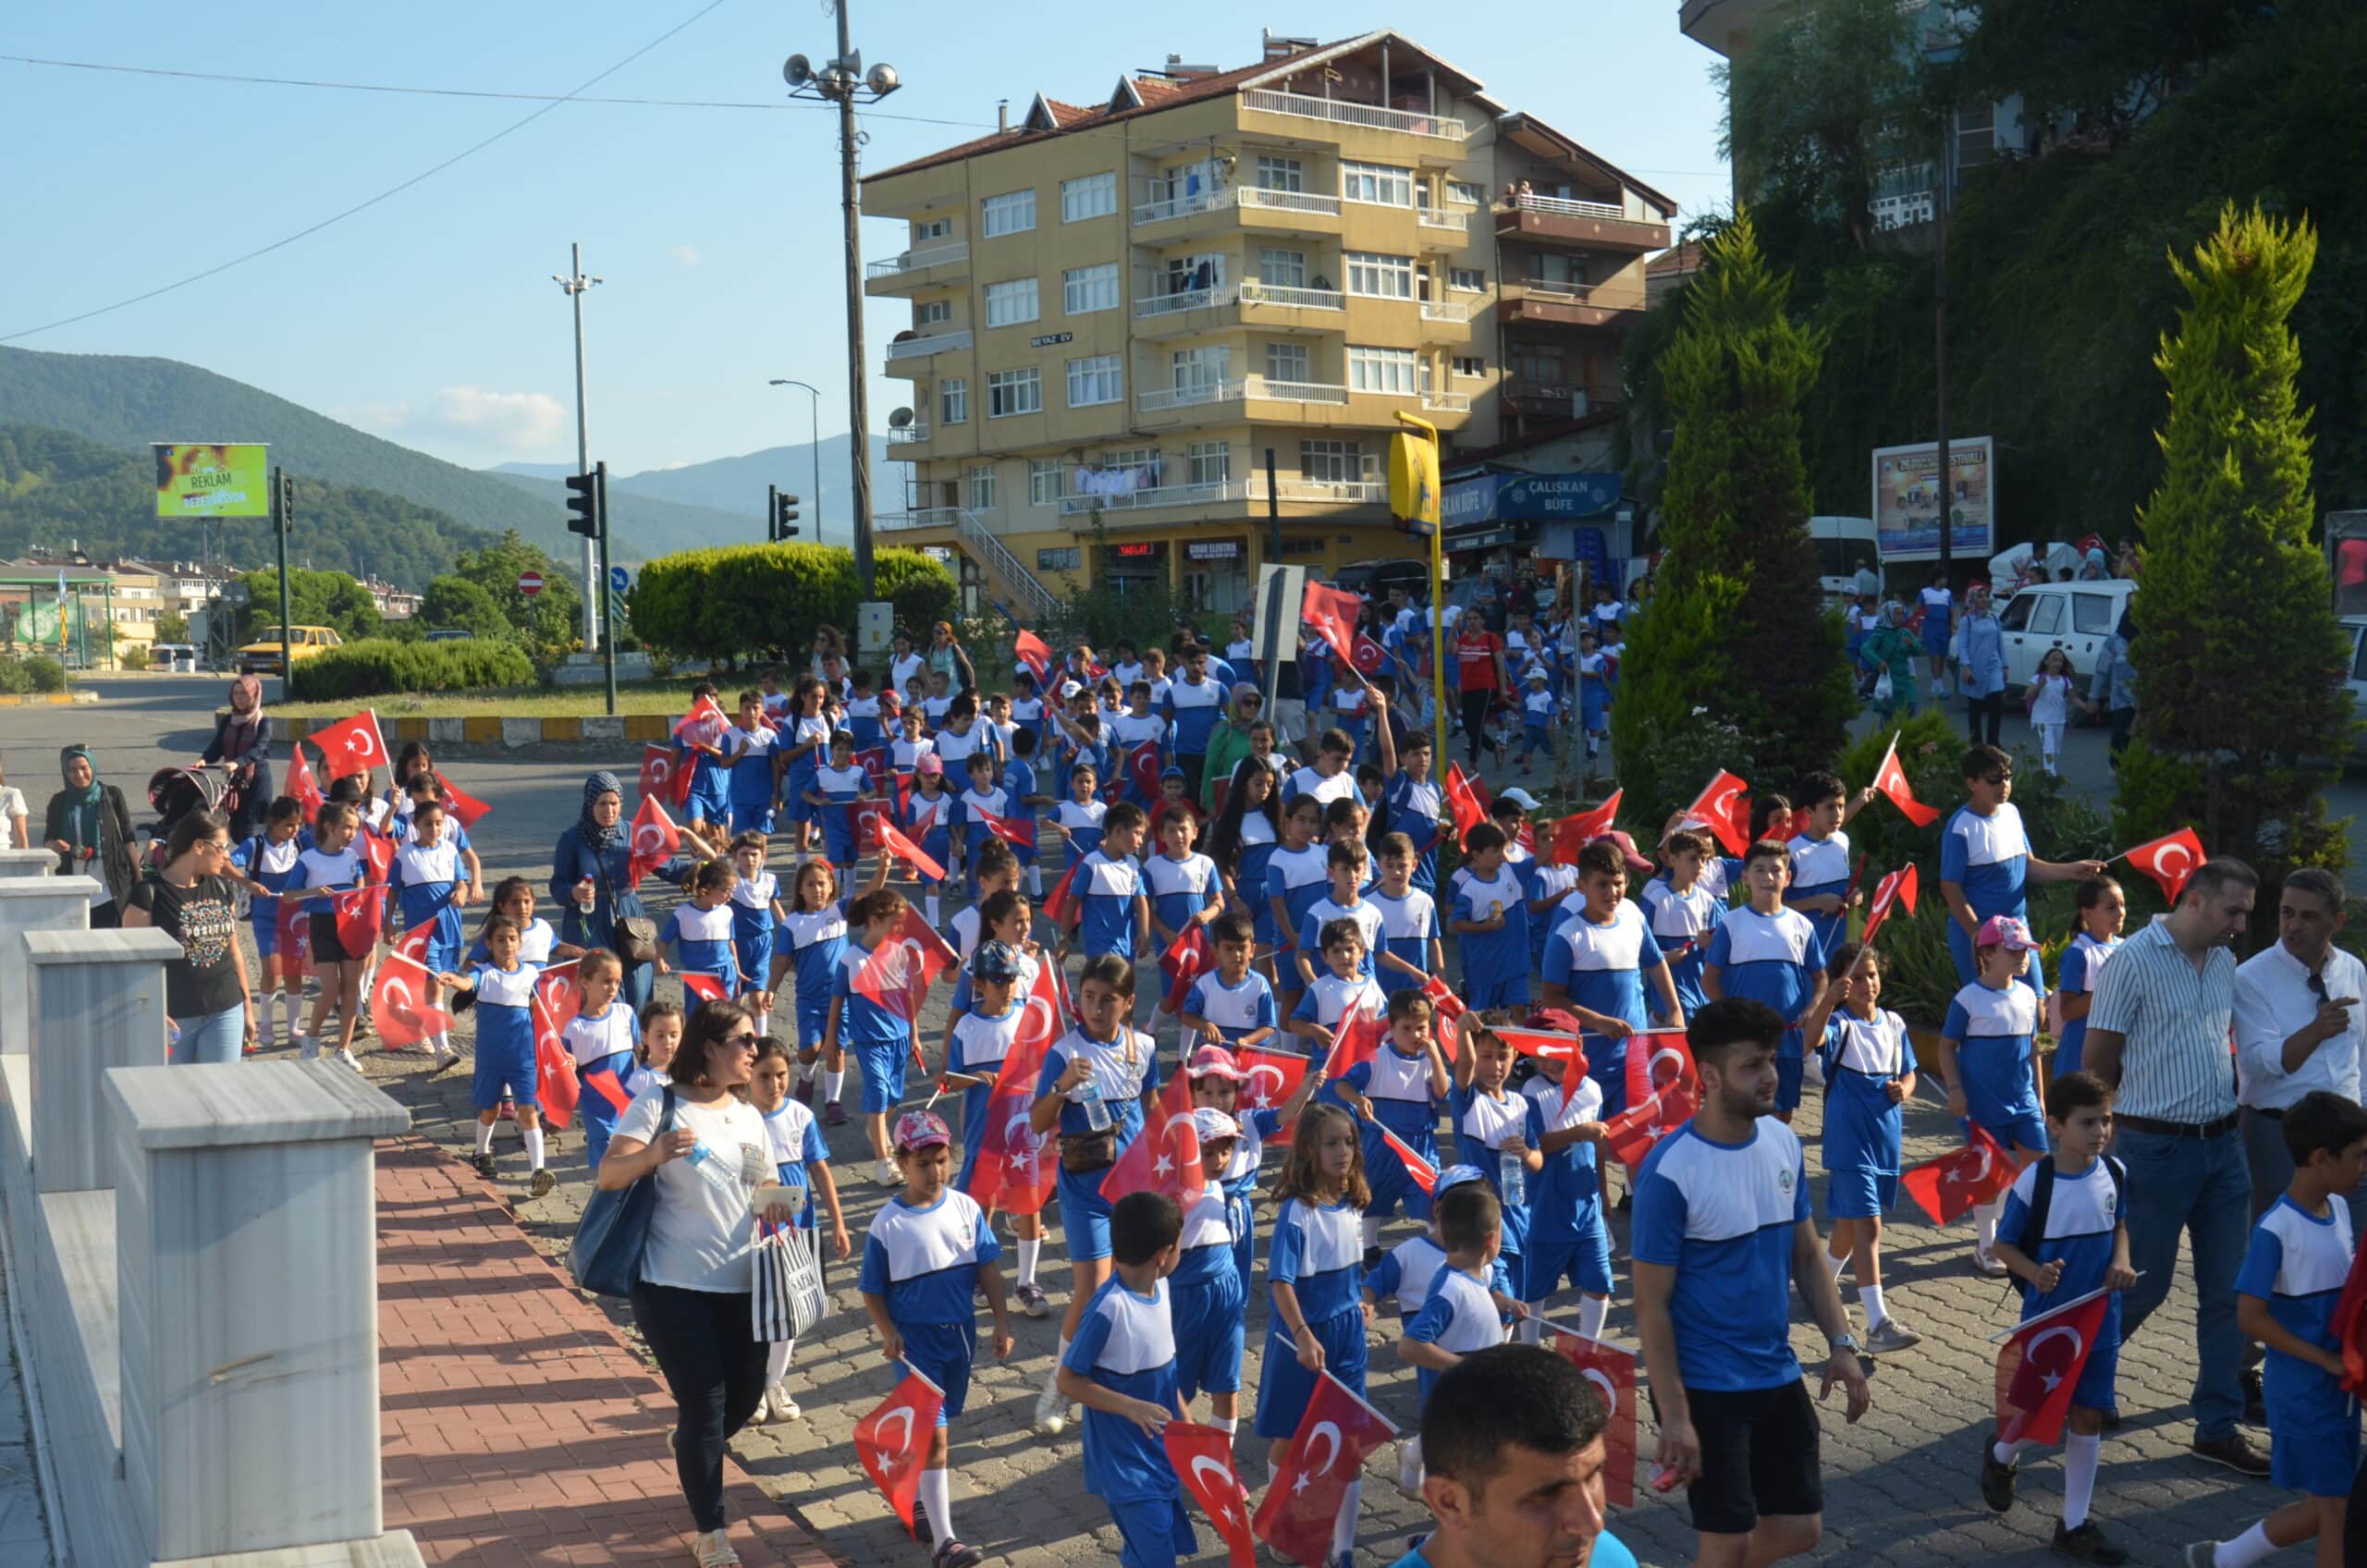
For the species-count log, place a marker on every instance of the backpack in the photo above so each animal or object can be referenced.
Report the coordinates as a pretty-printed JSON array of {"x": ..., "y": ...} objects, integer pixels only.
[{"x": 2042, "y": 1198}]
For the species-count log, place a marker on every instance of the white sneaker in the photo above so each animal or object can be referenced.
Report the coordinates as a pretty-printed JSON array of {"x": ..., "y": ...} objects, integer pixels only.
[
  {"x": 1409, "y": 1470},
  {"x": 347, "y": 1059},
  {"x": 713, "y": 1549},
  {"x": 886, "y": 1174},
  {"x": 1051, "y": 1413},
  {"x": 308, "y": 1049},
  {"x": 779, "y": 1405}
]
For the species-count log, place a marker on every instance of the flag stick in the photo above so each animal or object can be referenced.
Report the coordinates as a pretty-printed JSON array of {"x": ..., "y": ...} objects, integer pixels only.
[
  {"x": 2058, "y": 1311},
  {"x": 1352, "y": 1394}
]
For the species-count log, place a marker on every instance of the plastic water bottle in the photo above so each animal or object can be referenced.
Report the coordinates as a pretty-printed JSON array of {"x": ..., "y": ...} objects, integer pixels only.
[
  {"x": 708, "y": 1163},
  {"x": 1511, "y": 1179},
  {"x": 1096, "y": 1110}
]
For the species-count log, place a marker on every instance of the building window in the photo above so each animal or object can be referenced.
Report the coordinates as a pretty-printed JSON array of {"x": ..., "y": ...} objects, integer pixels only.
[
  {"x": 1185, "y": 275},
  {"x": 1286, "y": 361},
  {"x": 1566, "y": 274},
  {"x": 982, "y": 488},
  {"x": 1088, "y": 196},
  {"x": 1012, "y": 213},
  {"x": 1462, "y": 192},
  {"x": 1466, "y": 280},
  {"x": 1095, "y": 380},
  {"x": 1043, "y": 482},
  {"x": 1330, "y": 462},
  {"x": 1378, "y": 276},
  {"x": 1281, "y": 269},
  {"x": 1377, "y": 184},
  {"x": 1085, "y": 289},
  {"x": 1209, "y": 462},
  {"x": 953, "y": 401},
  {"x": 1382, "y": 370},
  {"x": 1015, "y": 392},
  {"x": 1470, "y": 364},
  {"x": 1280, "y": 174},
  {"x": 1197, "y": 368},
  {"x": 1009, "y": 303},
  {"x": 935, "y": 229},
  {"x": 932, "y": 313},
  {"x": 1065, "y": 557}
]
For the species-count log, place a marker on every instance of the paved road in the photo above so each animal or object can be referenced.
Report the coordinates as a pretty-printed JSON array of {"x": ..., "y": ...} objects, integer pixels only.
[{"x": 1901, "y": 1485}]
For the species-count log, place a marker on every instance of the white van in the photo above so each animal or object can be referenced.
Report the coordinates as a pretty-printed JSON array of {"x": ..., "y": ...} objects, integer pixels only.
[
  {"x": 1843, "y": 544},
  {"x": 2074, "y": 617},
  {"x": 173, "y": 658}
]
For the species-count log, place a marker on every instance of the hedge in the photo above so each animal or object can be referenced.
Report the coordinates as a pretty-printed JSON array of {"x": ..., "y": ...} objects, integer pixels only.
[
  {"x": 765, "y": 600},
  {"x": 378, "y": 666}
]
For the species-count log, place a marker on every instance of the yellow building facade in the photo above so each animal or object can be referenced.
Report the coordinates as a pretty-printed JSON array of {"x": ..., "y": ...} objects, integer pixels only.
[{"x": 1164, "y": 339}]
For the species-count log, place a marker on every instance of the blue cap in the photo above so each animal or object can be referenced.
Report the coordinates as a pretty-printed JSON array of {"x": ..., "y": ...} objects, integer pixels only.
[{"x": 1455, "y": 1176}]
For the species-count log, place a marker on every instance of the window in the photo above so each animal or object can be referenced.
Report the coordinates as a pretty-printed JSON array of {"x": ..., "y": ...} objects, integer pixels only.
[
  {"x": 1043, "y": 482},
  {"x": 1281, "y": 269},
  {"x": 1554, "y": 270},
  {"x": 1379, "y": 277},
  {"x": 1196, "y": 368},
  {"x": 1015, "y": 392},
  {"x": 2015, "y": 616},
  {"x": 1130, "y": 457},
  {"x": 1467, "y": 280},
  {"x": 1095, "y": 380},
  {"x": 2093, "y": 615},
  {"x": 1382, "y": 370},
  {"x": 982, "y": 488},
  {"x": 1088, "y": 196},
  {"x": 931, "y": 312},
  {"x": 1085, "y": 289},
  {"x": 1286, "y": 361},
  {"x": 953, "y": 401},
  {"x": 1209, "y": 462},
  {"x": 1280, "y": 174},
  {"x": 1014, "y": 213},
  {"x": 1185, "y": 273},
  {"x": 1470, "y": 364},
  {"x": 1377, "y": 184},
  {"x": 1462, "y": 192},
  {"x": 1008, "y": 303},
  {"x": 935, "y": 229},
  {"x": 1330, "y": 462},
  {"x": 1066, "y": 558},
  {"x": 2046, "y": 616}
]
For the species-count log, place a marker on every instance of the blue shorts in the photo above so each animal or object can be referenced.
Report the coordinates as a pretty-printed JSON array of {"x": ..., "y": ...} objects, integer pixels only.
[
  {"x": 1152, "y": 1531},
  {"x": 1245, "y": 1225},
  {"x": 2320, "y": 1462},
  {"x": 942, "y": 1354},
  {"x": 501, "y": 1064},
  {"x": 1610, "y": 1075},
  {"x": 754, "y": 816},
  {"x": 1533, "y": 739},
  {"x": 2004, "y": 1107},
  {"x": 1860, "y": 1154},
  {"x": 1935, "y": 636},
  {"x": 1285, "y": 1387},
  {"x": 1392, "y": 1184},
  {"x": 755, "y": 956},
  {"x": 1859, "y": 1191},
  {"x": 1788, "y": 1070},
  {"x": 1210, "y": 1335},
  {"x": 812, "y": 1019},
  {"x": 1585, "y": 1262},
  {"x": 708, "y": 801},
  {"x": 1085, "y": 1217},
  {"x": 264, "y": 934},
  {"x": 1511, "y": 990},
  {"x": 882, "y": 1066}
]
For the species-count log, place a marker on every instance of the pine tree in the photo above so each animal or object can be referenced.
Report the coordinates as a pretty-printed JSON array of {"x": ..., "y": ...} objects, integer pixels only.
[
  {"x": 1736, "y": 625},
  {"x": 2240, "y": 661}
]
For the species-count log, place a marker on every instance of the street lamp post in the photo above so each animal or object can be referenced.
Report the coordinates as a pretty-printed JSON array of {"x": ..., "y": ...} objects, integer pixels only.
[
  {"x": 782, "y": 381},
  {"x": 843, "y": 81},
  {"x": 576, "y": 285}
]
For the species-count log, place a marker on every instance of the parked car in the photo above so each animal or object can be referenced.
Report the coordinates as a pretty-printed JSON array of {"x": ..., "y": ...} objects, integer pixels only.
[
  {"x": 2355, "y": 628},
  {"x": 1844, "y": 546},
  {"x": 262, "y": 656},
  {"x": 2074, "y": 617},
  {"x": 173, "y": 658}
]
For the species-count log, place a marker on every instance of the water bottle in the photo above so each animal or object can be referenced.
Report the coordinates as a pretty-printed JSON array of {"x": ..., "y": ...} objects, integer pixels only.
[
  {"x": 1096, "y": 1110},
  {"x": 708, "y": 1163},
  {"x": 1511, "y": 1179}
]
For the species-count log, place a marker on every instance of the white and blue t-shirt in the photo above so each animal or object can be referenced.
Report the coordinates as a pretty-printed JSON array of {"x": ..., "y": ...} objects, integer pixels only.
[
  {"x": 1460, "y": 1315},
  {"x": 1989, "y": 858},
  {"x": 1106, "y": 892},
  {"x": 1235, "y": 1011},
  {"x": 1723, "y": 1216},
  {"x": 1408, "y": 926},
  {"x": 1602, "y": 966},
  {"x": 1773, "y": 959},
  {"x": 1364, "y": 914},
  {"x": 2296, "y": 1263},
  {"x": 1317, "y": 1250},
  {"x": 1126, "y": 1342},
  {"x": 925, "y": 1261},
  {"x": 1821, "y": 867}
]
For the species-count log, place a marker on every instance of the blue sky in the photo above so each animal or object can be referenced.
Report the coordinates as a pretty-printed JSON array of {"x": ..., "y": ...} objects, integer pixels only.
[{"x": 431, "y": 318}]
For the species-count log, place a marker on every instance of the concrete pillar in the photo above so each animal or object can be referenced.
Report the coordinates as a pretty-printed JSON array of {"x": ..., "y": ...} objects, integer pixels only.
[
  {"x": 33, "y": 903},
  {"x": 247, "y": 1272},
  {"x": 27, "y": 863},
  {"x": 97, "y": 1001}
]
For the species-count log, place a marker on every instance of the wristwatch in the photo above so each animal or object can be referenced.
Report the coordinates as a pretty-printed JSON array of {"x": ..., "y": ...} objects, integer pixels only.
[{"x": 1842, "y": 1342}]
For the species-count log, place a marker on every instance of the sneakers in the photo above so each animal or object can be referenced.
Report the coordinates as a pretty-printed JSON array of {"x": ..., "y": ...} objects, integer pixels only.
[
  {"x": 2089, "y": 1544},
  {"x": 803, "y": 1093},
  {"x": 954, "y": 1554},
  {"x": 1985, "y": 1264},
  {"x": 713, "y": 1549},
  {"x": 1051, "y": 1413},
  {"x": 1996, "y": 1480},
  {"x": 2200, "y": 1554},
  {"x": 1891, "y": 1335},
  {"x": 444, "y": 1062},
  {"x": 308, "y": 1047},
  {"x": 542, "y": 1181},
  {"x": 886, "y": 1174},
  {"x": 1032, "y": 1302},
  {"x": 347, "y": 1059},
  {"x": 482, "y": 1164},
  {"x": 1409, "y": 1470},
  {"x": 2236, "y": 1452},
  {"x": 778, "y": 1405},
  {"x": 834, "y": 1115}
]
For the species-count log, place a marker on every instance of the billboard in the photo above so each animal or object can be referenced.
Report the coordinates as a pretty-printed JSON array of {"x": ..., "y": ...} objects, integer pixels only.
[
  {"x": 213, "y": 479},
  {"x": 1906, "y": 500}
]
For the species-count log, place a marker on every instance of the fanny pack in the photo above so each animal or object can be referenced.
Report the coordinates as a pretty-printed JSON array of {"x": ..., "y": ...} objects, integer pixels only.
[{"x": 1083, "y": 1153}]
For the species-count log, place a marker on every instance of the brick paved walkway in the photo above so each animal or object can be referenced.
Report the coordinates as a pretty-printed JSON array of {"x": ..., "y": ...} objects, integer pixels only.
[{"x": 518, "y": 1428}]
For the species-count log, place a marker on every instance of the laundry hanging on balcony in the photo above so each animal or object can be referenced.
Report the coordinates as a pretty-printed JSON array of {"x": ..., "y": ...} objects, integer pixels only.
[{"x": 1114, "y": 481}]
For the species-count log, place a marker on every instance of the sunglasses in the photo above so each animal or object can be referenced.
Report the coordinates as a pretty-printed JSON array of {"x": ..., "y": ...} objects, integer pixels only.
[{"x": 746, "y": 1042}]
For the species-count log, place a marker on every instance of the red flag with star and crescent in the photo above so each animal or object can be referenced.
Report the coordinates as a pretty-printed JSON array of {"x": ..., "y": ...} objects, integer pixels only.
[
  {"x": 1165, "y": 1155},
  {"x": 1203, "y": 1461},
  {"x": 703, "y": 725},
  {"x": 894, "y": 1438},
  {"x": 350, "y": 745},
  {"x": 1575, "y": 832},
  {"x": 655, "y": 840},
  {"x": 1464, "y": 801},
  {"x": 1036, "y": 655},
  {"x": 2350, "y": 1325},
  {"x": 1335, "y": 1436},
  {"x": 465, "y": 808},
  {"x": 892, "y": 842},
  {"x": 1664, "y": 1091},
  {"x": 1898, "y": 888},
  {"x": 1362, "y": 1026},
  {"x": 897, "y": 973},
  {"x": 1185, "y": 961},
  {"x": 302, "y": 785},
  {"x": 1331, "y": 613},
  {"x": 1890, "y": 780},
  {"x": 377, "y": 850},
  {"x": 295, "y": 934},
  {"x": 661, "y": 780},
  {"x": 1612, "y": 1370},
  {"x": 1446, "y": 1012},
  {"x": 1017, "y": 1166},
  {"x": 1018, "y": 830},
  {"x": 1141, "y": 771},
  {"x": 412, "y": 944},
  {"x": 1268, "y": 1080},
  {"x": 1948, "y": 1188},
  {"x": 2039, "y": 1367},
  {"x": 361, "y": 918},
  {"x": 399, "y": 1009},
  {"x": 1366, "y": 657},
  {"x": 2168, "y": 859},
  {"x": 1722, "y": 808},
  {"x": 557, "y": 999},
  {"x": 1425, "y": 1175}
]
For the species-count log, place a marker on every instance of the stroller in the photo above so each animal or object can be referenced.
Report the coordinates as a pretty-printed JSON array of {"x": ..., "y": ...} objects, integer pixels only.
[{"x": 176, "y": 792}]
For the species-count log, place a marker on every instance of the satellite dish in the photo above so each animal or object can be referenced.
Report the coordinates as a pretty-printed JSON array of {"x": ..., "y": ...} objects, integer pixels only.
[
  {"x": 883, "y": 80},
  {"x": 901, "y": 420},
  {"x": 797, "y": 70}
]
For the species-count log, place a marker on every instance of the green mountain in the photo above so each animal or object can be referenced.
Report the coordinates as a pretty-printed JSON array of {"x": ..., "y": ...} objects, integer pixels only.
[
  {"x": 126, "y": 403},
  {"x": 736, "y": 484},
  {"x": 58, "y": 490}
]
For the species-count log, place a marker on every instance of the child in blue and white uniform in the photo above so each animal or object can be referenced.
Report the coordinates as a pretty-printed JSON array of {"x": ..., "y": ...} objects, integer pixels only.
[
  {"x": 2103, "y": 910},
  {"x": 880, "y": 1037},
  {"x": 1869, "y": 1074},
  {"x": 748, "y": 752},
  {"x": 1410, "y": 949},
  {"x": 505, "y": 993},
  {"x": 426, "y": 877},
  {"x": 1683, "y": 910},
  {"x": 1821, "y": 871},
  {"x": 1567, "y": 1237},
  {"x": 1113, "y": 913},
  {"x": 756, "y": 914},
  {"x": 928, "y": 822},
  {"x": 696, "y": 938},
  {"x": 1416, "y": 804},
  {"x": 1501, "y": 1131},
  {"x": 802, "y": 1160},
  {"x": 1298, "y": 872},
  {"x": 863, "y": 713},
  {"x": 804, "y": 745},
  {"x": 265, "y": 863},
  {"x": 1767, "y": 954},
  {"x": 1462, "y": 1314},
  {"x": 1207, "y": 1291},
  {"x": 839, "y": 786},
  {"x": 1080, "y": 816},
  {"x": 1986, "y": 1058},
  {"x": 1402, "y": 1088},
  {"x": 1230, "y": 1004},
  {"x": 601, "y": 1038},
  {"x": 1405, "y": 1270},
  {"x": 1487, "y": 911},
  {"x": 1603, "y": 964},
  {"x": 1219, "y": 1082},
  {"x": 812, "y": 936}
]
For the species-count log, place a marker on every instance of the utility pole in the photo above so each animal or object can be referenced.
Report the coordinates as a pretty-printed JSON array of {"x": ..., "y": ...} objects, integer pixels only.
[
  {"x": 1940, "y": 342},
  {"x": 576, "y": 285}
]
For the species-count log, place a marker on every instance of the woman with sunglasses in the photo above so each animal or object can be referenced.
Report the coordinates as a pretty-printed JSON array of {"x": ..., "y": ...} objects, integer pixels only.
[
  {"x": 698, "y": 1270},
  {"x": 1228, "y": 743},
  {"x": 191, "y": 899}
]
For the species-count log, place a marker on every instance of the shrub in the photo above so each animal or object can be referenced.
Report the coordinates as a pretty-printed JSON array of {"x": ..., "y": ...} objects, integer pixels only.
[
  {"x": 379, "y": 665},
  {"x": 134, "y": 656},
  {"x": 45, "y": 673},
  {"x": 14, "y": 682},
  {"x": 765, "y": 600},
  {"x": 1918, "y": 974},
  {"x": 1930, "y": 750},
  {"x": 1669, "y": 766}
]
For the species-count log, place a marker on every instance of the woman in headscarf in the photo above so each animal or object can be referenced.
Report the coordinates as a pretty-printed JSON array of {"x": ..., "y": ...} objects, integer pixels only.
[
  {"x": 1228, "y": 743},
  {"x": 948, "y": 657},
  {"x": 90, "y": 828},
  {"x": 592, "y": 881},
  {"x": 242, "y": 744},
  {"x": 1893, "y": 647}
]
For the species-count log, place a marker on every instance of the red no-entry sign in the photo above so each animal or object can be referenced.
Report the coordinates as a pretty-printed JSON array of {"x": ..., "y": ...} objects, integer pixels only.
[{"x": 529, "y": 583}]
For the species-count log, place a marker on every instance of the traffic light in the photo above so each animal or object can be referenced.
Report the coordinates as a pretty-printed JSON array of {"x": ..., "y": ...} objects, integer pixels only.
[
  {"x": 784, "y": 521},
  {"x": 583, "y": 505},
  {"x": 287, "y": 499}
]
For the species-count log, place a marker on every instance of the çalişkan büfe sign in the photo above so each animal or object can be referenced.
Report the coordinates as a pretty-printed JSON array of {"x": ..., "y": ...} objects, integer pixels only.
[{"x": 1505, "y": 497}]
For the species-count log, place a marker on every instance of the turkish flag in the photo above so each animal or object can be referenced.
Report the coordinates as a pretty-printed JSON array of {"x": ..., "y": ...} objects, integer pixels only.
[
  {"x": 1335, "y": 1436},
  {"x": 1063, "y": 900},
  {"x": 1011, "y": 829},
  {"x": 1185, "y": 961},
  {"x": 1464, "y": 801},
  {"x": 1036, "y": 655},
  {"x": 655, "y": 840},
  {"x": 1272, "y": 1077},
  {"x": 661, "y": 778},
  {"x": 1664, "y": 1091},
  {"x": 1947, "y": 1188},
  {"x": 874, "y": 762},
  {"x": 1141, "y": 771},
  {"x": 1165, "y": 1155},
  {"x": 706, "y": 988},
  {"x": 561, "y": 994},
  {"x": 1575, "y": 833},
  {"x": 1898, "y": 887},
  {"x": 892, "y": 841},
  {"x": 703, "y": 725},
  {"x": 1446, "y": 1010},
  {"x": 360, "y": 919},
  {"x": 295, "y": 934},
  {"x": 302, "y": 785},
  {"x": 1425, "y": 1175},
  {"x": 1367, "y": 656},
  {"x": 378, "y": 850},
  {"x": 555, "y": 1086},
  {"x": 464, "y": 806},
  {"x": 2349, "y": 1324},
  {"x": 1017, "y": 1166},
  {"x": 1357, "y": 1034},
  {"x": 1203, "y": 1461},
  {"x": 351, "y": 745},
  {"x": 897, "y": 974},
  {"x": 1891, "y": 779},
  {"x": 399, "y": 1009},
  {"x": 1721, "y": 807},
  {"x": 894, "y": 1438},
  {"x": 2039, "y": 1368},
  {"x": 1332, "y": 612},
  {"x": 2169, "y": 859},
  {"x": 412, "y": 944},
  {"x": 1612, "y": 1372}
]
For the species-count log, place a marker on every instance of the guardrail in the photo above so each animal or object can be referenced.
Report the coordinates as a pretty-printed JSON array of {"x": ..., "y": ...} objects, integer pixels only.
[
  {"x": 933, "y": 343},
  {"x": 919, "y": 517},
  {"x": 1287, "y": 200},
  {"x": 1297, "y": 391},
  {"x": 1182, "y": 206},
  {"x": 1438, "y": 217},
  {"x": 1159, "y": 400},
  {"x": 1156, "y": 495},
  {"x": 914, "y": 261},
  {"x": 1562, "y": 206},
  {"x": 1370, "y": 116},
  {"x": 1184, "y": 300},
  {"x": 1447, "y": 402},
  {"x": 902, "y": 434},
  {"x": 1000, "y": 560},
  {"x": 1297, "y": 298},
  {"x": 1445, "y": 309}
]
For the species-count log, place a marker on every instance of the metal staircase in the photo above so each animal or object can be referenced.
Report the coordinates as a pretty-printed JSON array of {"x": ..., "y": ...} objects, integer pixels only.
[{"x": 1026, "y": 590}]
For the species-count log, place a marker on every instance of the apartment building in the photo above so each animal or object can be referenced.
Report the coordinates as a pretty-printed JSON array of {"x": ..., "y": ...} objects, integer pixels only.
[{"x": 1160, "y": 336}]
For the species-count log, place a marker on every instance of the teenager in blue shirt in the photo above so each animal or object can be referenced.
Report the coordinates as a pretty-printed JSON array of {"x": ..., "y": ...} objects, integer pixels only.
[
  {"x": 1194, "y": 702},
  {"x": 1596, "y": 965},
  {"x": 1986, "y": 863},
  {"x": 1416, "y": 803},
  {"x": 1820, "y": 873},
  {"x": 1488, "y": 911},
  {"x": 751, "y": 754},
  {"x": 1402, "y": 1088},
  {"x": 1767, "y": 953}
]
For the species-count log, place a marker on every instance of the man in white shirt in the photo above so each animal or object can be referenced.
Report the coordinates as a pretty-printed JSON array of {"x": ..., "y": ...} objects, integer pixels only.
[{"x": 2300, "y": 1024}]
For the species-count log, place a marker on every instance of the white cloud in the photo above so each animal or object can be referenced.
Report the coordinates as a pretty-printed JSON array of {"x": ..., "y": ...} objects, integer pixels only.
[
  {"x": 470, "y": 423},
  {"x": 686, "y": 254}
]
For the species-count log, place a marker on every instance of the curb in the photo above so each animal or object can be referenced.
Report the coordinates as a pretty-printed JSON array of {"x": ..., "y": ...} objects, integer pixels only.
[
  {"x": 496, "y": 732},
  {"x": 49, "y": 699}
]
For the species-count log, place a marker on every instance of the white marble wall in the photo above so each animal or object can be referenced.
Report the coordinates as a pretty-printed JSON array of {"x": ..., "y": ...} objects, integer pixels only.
[
  {"x": 97, "y": 1001},
  {"x": 27, "y": 863},
  {"x": 33, "y": 903}
]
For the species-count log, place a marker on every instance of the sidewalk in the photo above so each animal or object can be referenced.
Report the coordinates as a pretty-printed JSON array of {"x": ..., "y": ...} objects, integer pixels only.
[{"x": 519, "y": 1428}]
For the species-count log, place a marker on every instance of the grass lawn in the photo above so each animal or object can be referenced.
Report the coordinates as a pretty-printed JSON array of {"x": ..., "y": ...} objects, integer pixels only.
[{"x": 522, "y": 702}]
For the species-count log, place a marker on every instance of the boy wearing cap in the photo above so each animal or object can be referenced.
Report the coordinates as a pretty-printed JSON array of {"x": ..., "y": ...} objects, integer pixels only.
[
  {"x": 1207, "y": 1295},
  {"x": 974, "y": 1049},
  {"x": 1985, "y": 1059},
  {"x": 928, "y": 1249},
  {"x": 1407, "y": 1270}
]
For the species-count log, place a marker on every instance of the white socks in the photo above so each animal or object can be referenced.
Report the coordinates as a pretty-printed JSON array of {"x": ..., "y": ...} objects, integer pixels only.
[
  {"x": 1225, "y": 1424},
  {"x": 1052, "y": 1379},
  {"x": 2009, "y": 1453},
  {"x": 1029, "y": 1250},
  {"x": 291, "y": 1008},
  {"x": 764, "y": 1024},
  {"x": 1986, "y": 1213},
  {"x": 2080, "y": 1457},
  {"x": 484, "y": 1137},
  {"x": 1034, "y": 881},
  {"x": 831, "y": 1082},
  {"x": 1592, "y": 1310},
  {"x": 776, "y": 1360},
  {"x": 936, "y": 917},
  {"x": 1876, "y": 1315},
  {"x": 936, "y": 1495},
  {"x": 1343, "y": 1528},
  {"x": 1531, "y": 1329},
  {"x": 1834, "y": 1266},
  {"x": 535, "y": 1148},
  {"x": 1372, "y": 1231},
  {"x": 2252, "y": 1546}
]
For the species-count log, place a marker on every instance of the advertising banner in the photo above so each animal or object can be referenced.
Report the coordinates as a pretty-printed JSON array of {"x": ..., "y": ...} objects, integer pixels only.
[
  {"x": 1906, "y": 500},
  {"x": 213, "y": 479}
]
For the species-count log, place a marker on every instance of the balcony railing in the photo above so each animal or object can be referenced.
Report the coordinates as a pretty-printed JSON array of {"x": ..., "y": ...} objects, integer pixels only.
[
  {"x": 1602, "y": 296},
  {"x": 1447, "y": 402},
  {"x": 1297, "y": 391},
  {"x": 1438, "y": 217},
  {"x": 899, "y": 435},
  {"x": 1186, "y": 300},
  {"x": 1160, "y": 398},
  {"x": 913, "y": 260},
  {"x": 1564, "y": 207},
  {"x": 920, "y": 517},
  {"x": 1288, "y": 200},
  {"x": 1371, "y": 115},
  {"x": 1182, "y": 206},
  {"x": 1445, "y": 309},
  {"x": 1254, "y": 293},
  {"x": 934, "y": 343},
  {"x": 1351, "y": 491},
  {"x": 1157, "y": 495}
]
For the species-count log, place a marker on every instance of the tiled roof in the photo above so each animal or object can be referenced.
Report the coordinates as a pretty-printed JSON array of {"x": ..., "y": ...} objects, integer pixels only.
[{"x": 1682, "y": 258}]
